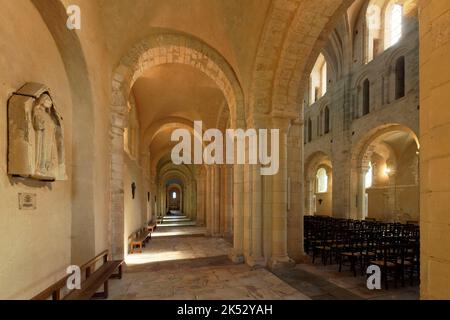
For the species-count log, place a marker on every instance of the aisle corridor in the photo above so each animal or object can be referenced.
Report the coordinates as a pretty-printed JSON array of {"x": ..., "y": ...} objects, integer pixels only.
[
  {"x": 180, "y": 263},
  {"x": 195, "y": 268}
]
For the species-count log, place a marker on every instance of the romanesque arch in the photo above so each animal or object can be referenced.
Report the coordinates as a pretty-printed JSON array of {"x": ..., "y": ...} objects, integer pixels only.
[
  {"x": 72, "y": 52},
  {"x": 315, "y": 162},
  {"x": 365, "y": 153},
  {"x": 153, "y": 51},
  {"x": 299, "y": 39}
]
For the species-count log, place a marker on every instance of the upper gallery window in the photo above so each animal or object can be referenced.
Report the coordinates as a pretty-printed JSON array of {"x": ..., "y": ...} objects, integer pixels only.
[
  {"x": 394, "y": 19},
  {"x": 400, "y": 78},
  {"x": 322, "y": 181},
  {"x": 327, "y": 124},
  {"x": 368, "y": 180},
  {"x": 366, "y": 97},
  {"x": 318, "y": 80},
  {"x": 384, "y": 25}
]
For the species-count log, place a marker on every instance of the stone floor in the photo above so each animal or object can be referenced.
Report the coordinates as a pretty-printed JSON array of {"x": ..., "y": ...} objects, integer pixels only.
[
  {"x": 190, "y": 266},
  {"x": 326, "y": 283},
  {"x": 195, "y": 268},
  {"x": 172, "y": 231}
]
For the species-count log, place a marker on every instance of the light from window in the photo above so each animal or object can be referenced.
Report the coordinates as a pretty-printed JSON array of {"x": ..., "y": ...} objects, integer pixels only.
[
  {"x": 368, "y": 179},
  {"x": 324, "y": 79},
  {"x": 322, "y": 181},
  {"x": 318, "y": 79},
  {"x": 174, "y": 195},
  {"x": 396, "y": 24}
]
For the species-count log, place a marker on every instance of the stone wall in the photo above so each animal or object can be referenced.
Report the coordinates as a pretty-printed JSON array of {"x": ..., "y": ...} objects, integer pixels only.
[
  {"x": 35, "y": 244},
  {"x": 349, "y": 128},
  {"x": 435, "y": 160}
]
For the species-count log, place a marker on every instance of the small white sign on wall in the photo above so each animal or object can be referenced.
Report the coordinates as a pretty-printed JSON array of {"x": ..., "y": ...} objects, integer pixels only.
[{"x": 27, "y": 201}]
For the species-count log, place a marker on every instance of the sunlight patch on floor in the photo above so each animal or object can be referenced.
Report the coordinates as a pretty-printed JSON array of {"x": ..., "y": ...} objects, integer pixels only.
[{"x": 149, "y": 257}]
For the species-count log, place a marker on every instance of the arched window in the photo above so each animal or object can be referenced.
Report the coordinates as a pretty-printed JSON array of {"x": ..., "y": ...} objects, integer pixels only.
[
  {"x": 318, "y": 79},
  {"x": 368, "y": 179},
  {"x": 327, "y": 120},
  {"x": 324, "y": 78},
  {"x": 373, "y": 33},
  {"x": 384, "y": 27},
  {"x": 366, "y": 97},
  {"x": 322, "y": 181},
  {"x": 309, "y": 138},
  {"x": 174, "y": 195},
  {"x": 394, "y": 21},
  {"x": 400, "y": 78}
]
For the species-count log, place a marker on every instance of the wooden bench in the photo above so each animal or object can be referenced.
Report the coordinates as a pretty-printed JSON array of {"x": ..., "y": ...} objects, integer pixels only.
[
  {"x": 138, "y": 240},
  {"x": 151, "y": 226},
  {"x": 93, "y": 280}
]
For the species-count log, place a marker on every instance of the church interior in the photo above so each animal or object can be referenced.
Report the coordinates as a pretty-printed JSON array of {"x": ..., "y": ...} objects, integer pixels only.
[{"x": 353, "y": 93}]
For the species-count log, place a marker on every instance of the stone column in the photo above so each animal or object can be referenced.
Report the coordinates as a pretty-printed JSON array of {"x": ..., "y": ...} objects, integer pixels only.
[
  {"x": 194, "y": 200},
  {"x": 237, "y": 253},
  {"x": 392, "y": 197},
  {"x": 216, "y": 201},
  {"x": 223, "y": 200},
  {"x": 256, "y": 257},
  {"x": 435, "y": 153},
  {"x": 248, "y": 189},
  {"x": 200, "y": 198},
  {"x": 209, "y": 221},
  {"x": 362, "y": 171},
  {"x": 279, "y": 200},
  {"x": 117, "y": 224},
  {"x": 309, "y": 188},
  {"x": 296, "y": 193},
  {"x": 228, "y": 201}
]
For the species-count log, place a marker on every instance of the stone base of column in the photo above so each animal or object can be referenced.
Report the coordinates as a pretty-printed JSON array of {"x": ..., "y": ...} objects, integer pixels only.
[
  {"x": 301, "y": 258},
  {"x": 255, "y": 261},
  {"x": 236, "y": 257},
  {"x": 281, "y": 263},
  {"x": 216, "y": 235}
]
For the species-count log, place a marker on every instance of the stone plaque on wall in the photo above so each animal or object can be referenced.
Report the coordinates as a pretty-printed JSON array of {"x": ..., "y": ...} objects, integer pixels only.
[
  {"x": 27, "y": 201},
  {"x": 35, "y": 135}
]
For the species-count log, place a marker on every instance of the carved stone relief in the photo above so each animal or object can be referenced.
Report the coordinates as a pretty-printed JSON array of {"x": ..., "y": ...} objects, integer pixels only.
[{"x": 35, "y": 135}]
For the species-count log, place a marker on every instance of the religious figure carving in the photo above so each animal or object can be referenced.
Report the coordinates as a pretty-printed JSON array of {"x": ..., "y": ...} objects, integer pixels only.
[{"x": 36, "y": 139}]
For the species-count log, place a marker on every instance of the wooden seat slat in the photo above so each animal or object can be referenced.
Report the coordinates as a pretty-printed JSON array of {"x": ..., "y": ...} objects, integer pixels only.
[
  {"x": 95, "y": 278},
  {"x": 90, "y": 286}
]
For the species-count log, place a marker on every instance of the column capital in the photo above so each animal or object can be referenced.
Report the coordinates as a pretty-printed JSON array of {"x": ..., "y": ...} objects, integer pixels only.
[
  {"x": 282, "y": 123},
  {"x": 258, "y": 121}
]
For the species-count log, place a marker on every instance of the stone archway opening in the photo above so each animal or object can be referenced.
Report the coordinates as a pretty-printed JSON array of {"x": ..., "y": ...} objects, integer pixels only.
[
  {"x": 158, "y": 54},
  {"x": 386, "y": 164},
  {"x": 174, "y": 198},
  {"x": 319, "y": 185}
]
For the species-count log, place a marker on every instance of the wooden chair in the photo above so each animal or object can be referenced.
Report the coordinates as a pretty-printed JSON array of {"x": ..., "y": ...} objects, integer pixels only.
[
  {"x": 351, "y": 252},
  {"x": 388, "y": 262}
]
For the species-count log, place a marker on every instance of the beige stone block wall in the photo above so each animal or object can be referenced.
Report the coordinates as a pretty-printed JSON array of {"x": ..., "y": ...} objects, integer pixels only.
[
  {"x": 435, "y": 151},
  {"x": 324, "y": 208},
  {"x": 134, "y": 209},
  {"x": 34, "y": 245}
]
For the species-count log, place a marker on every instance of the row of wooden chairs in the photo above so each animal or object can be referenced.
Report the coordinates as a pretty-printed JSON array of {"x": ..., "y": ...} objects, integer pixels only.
[{"x": 393, "y": 247}]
